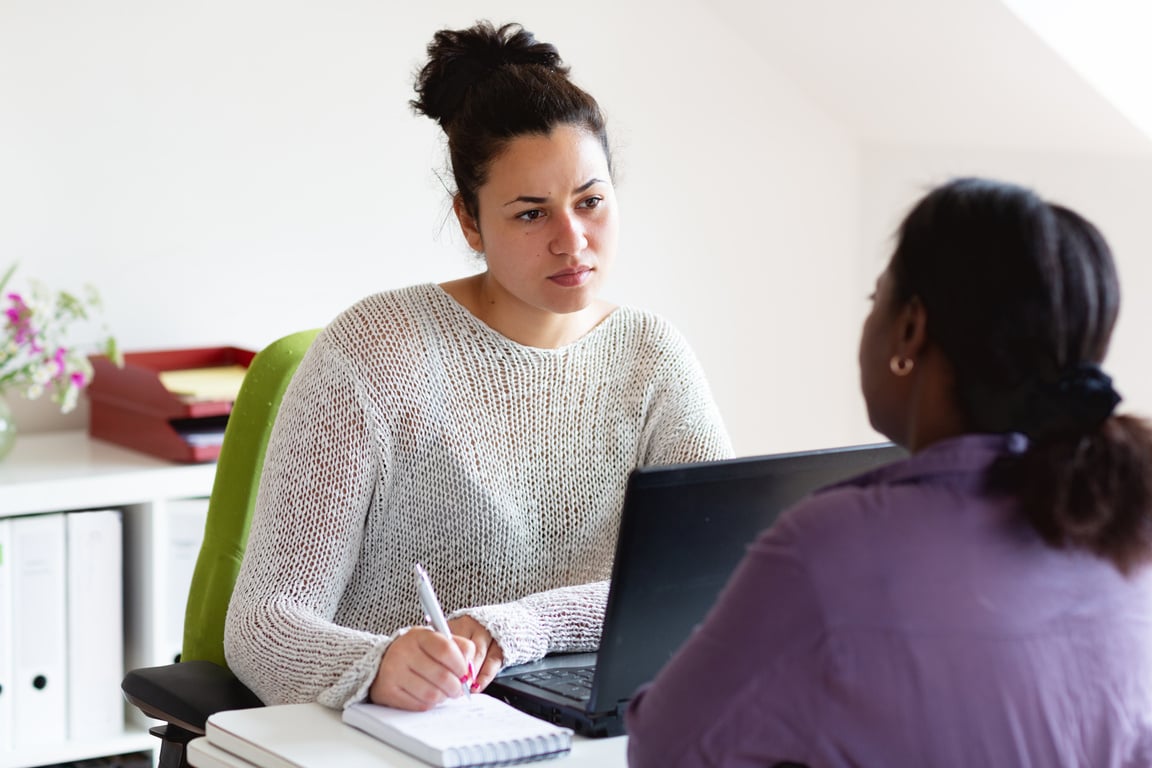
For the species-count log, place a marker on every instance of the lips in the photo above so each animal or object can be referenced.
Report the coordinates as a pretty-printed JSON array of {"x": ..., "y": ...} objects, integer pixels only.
[{"x": 571, "y": 278}]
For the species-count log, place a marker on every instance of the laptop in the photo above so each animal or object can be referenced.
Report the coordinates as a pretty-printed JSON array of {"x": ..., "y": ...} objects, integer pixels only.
[{"x": 683, "y": 530}]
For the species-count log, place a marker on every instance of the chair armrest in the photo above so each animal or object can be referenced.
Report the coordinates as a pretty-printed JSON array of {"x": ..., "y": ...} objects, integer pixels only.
[{"x": 186, "y": 693}]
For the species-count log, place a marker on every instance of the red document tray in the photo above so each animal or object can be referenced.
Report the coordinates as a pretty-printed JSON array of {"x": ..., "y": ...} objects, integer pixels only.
[{"x": 131, "y": 407}]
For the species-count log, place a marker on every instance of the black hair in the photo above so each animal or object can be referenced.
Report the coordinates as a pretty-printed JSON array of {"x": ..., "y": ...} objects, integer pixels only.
[
  {"x": 486, "y": 86},
  {"x": 1021, "y": 297}
]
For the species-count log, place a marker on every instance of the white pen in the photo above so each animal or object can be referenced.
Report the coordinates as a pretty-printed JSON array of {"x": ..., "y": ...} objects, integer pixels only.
[{"x": 435, "y": 614}]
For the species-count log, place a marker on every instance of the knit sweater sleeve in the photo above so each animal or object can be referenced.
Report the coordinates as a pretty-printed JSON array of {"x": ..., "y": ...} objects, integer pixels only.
[
  {"x": 319, "y": 474},
  {"x": 682, "y": 424}
]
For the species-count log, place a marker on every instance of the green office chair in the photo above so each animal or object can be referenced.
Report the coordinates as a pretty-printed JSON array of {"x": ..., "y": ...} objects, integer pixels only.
[{"x": 184, "y": 694}]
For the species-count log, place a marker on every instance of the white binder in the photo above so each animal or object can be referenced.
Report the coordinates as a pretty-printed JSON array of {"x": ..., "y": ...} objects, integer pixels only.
[
  {"x": 95, "y": 624},
  {"x": 39, "y": 630},
  {"x": 6, "y": 687},
  {"x": 185, "y": 519}
]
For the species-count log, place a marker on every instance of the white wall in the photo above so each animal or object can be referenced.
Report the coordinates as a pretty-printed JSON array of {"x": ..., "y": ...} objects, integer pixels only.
[{"x": 226, "y": 172}]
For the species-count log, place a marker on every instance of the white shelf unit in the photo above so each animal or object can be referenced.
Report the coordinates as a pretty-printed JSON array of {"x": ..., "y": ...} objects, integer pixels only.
[{"x": 69, "y": 471}]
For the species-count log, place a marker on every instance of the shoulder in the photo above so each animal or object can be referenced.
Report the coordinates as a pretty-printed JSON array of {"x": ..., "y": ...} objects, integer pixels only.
[
  {"x": 642, "y": 322},
  {"x": 829, "y": 515},
  {"x": 397, "y": 314},
  {"x": 849, "y": 517},
  {"x": 932, "y": 505},
  {"x": 646, "y": 333},
  {"x": 388, "y": 307},
  {"x": 384, "y": 330},
  {"x": 933, "y": 485}
]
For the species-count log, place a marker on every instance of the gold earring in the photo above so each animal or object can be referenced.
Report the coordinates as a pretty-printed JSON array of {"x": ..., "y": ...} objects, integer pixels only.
[{"x": 901, "y": 366}]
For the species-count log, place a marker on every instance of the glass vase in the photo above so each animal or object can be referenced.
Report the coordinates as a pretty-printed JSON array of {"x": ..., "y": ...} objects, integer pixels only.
[{"x": 7, "y": 428}]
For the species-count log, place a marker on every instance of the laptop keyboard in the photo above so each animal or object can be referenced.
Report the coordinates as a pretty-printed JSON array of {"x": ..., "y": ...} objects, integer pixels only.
[{"x": 574, "y": 682}]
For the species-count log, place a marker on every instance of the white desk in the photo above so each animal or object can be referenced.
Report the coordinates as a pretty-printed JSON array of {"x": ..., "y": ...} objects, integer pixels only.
[{"x": 313, "y": 736}]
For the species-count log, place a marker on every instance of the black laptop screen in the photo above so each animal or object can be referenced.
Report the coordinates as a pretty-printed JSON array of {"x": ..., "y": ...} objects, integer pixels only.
[{"x": 683, "y": 530}]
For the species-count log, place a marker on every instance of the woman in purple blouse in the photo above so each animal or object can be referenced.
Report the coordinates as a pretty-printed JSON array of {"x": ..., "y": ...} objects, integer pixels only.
[{"x": 985, "y": 602}]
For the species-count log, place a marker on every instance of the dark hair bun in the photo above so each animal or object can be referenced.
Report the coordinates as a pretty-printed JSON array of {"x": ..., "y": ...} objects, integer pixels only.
[{"x": 458, "y": 59}]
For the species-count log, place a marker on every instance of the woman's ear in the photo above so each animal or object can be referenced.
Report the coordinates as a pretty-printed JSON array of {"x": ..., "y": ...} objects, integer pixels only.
[
  {"x": 468, "y": 224},
  {"x": 912, "y": 327}
]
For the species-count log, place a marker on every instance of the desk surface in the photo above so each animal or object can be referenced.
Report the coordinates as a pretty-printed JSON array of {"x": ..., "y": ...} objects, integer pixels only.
[{"x": 313, "y": 736}]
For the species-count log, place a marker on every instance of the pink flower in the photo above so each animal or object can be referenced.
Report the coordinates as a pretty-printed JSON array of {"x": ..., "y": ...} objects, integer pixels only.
[
  {"x": 19, "y": 319},
  {"x": 35, "y": 355}
]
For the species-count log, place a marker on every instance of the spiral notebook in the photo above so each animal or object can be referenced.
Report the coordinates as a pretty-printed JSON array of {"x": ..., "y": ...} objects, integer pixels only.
[{"x": 476, "y": 731}]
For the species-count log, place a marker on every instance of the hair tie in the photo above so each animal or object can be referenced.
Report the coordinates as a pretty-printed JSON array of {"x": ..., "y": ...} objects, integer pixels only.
[{"x": 1077, "y": 402}]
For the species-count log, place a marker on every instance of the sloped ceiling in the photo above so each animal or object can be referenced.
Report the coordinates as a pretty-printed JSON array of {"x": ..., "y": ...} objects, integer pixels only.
[
  {"x": 1106, "y": 41},
  {"x": 933, "y": 72}
]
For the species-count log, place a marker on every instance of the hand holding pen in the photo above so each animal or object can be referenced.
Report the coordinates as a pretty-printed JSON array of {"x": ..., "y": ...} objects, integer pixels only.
[{"x": 435, "y": 615}]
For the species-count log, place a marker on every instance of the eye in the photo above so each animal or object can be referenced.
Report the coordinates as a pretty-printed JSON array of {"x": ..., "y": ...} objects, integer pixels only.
[
  {"x": 590, "y": 202},
  {"x": 531, "y": 215}
]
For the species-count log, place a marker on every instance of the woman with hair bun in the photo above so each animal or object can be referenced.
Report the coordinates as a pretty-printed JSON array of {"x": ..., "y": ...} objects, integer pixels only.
[
  {"x": 483, "y": 428},
  {"x": 986, "y": 601}
]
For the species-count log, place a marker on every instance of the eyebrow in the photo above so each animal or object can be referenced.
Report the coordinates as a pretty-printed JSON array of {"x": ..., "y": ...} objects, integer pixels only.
[{"x": 537, "y": 200}]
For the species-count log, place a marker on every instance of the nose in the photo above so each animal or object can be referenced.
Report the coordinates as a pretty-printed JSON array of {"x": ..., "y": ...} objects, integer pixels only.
[{"x": 568, "y": 237}]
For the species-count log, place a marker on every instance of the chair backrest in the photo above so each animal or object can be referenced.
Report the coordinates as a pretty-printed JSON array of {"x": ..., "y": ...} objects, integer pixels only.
[{"x": 234, "y": 494}]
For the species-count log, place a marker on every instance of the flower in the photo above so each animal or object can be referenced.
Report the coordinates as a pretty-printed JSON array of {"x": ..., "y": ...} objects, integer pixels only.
[{"x": 35, "y": 355}]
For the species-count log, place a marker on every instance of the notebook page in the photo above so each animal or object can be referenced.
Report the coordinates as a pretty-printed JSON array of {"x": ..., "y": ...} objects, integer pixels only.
[{"x": 481, "y": 730}]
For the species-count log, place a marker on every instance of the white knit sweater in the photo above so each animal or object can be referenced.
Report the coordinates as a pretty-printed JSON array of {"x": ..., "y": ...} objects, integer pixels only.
[{"x": 412, "y": 432}]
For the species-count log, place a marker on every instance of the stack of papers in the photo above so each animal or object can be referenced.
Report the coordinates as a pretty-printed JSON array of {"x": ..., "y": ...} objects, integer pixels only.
[{"x": 213, "y": 384}]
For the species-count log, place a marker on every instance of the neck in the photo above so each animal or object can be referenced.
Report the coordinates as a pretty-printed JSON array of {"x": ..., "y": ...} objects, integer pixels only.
[
  {"x": 523, "y": 323},
  {"x": 934, "y": 413}
]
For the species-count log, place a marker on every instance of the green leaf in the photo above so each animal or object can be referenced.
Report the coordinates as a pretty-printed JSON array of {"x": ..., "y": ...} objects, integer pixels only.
[
  {"x": 112, "y": 350},
  {"x": 7, "y": 276}
]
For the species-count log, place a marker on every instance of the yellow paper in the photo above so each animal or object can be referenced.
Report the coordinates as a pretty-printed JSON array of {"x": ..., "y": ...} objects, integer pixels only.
[{"x": 217, "y": 383}]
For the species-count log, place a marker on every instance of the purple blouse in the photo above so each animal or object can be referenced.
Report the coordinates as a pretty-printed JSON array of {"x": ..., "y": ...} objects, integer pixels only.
[{"x": 908, "y": 618}]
